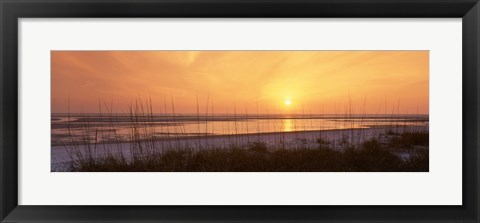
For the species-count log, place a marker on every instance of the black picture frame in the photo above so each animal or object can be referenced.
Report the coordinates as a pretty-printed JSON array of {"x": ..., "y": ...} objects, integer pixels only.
[{"x": 12, "y": 10}]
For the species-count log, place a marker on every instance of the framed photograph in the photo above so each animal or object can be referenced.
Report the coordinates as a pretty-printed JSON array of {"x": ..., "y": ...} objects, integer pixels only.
[{"x": 325, "y": 111}]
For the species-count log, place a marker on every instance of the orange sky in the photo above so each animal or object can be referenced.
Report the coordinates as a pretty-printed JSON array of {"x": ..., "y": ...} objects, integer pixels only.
[{"x": 318, "y": 81}]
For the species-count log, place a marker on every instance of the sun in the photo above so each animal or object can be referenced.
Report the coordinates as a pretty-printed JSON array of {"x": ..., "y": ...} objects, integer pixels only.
[{"x": 287, "y": 102}]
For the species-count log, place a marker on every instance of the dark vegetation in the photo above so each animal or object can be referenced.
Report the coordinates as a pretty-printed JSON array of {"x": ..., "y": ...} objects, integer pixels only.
[{"x": 370, "y": 156}]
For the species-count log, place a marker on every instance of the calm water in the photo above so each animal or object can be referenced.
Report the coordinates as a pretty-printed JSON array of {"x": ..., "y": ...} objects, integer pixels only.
[{"x": 91, "y": 128}]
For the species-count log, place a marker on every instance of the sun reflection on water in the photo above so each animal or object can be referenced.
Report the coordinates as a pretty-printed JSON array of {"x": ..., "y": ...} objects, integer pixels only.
[{"x": 287, "y": 125}]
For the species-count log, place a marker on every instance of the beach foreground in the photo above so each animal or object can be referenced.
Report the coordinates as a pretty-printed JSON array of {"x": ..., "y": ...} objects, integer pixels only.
[{"x": 387, "y": 148}]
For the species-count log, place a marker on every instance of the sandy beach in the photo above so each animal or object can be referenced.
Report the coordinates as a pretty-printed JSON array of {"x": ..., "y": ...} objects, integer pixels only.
[{"x": 291, "y": 140}]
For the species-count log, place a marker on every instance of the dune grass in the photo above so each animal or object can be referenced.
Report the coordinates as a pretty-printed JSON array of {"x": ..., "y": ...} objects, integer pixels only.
[
  {"x": 370, "y": 156},
  {"x": 394, "y": 151}
]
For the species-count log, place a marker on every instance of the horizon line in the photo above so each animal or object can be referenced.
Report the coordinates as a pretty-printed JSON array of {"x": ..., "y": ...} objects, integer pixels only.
[{"x": 238, "y": 114}]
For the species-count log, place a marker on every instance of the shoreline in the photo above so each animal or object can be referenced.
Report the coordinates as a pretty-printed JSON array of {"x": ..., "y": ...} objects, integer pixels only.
[{"x": 261, "y": 134}]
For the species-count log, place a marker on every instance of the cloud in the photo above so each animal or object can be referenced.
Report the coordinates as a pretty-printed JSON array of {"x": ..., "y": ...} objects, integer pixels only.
[{"x": 241, "y": 77}]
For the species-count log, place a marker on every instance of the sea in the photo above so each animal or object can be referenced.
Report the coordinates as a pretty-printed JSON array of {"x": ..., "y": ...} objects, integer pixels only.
[{"x": 69, "y": 129}]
